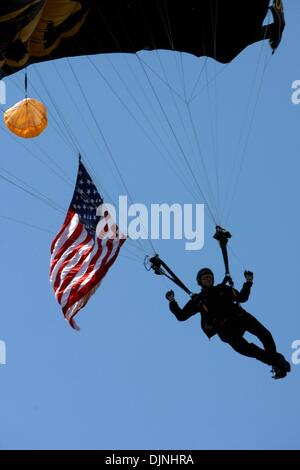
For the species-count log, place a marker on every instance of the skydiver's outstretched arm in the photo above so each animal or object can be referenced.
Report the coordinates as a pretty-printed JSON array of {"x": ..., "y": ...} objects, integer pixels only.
[
  {"x": 184, "y": 313},
  {"x": 244, "y": 293}
]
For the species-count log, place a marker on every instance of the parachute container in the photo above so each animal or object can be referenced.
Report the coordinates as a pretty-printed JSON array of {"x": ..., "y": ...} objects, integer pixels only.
[{"x": 27, "y": 118}]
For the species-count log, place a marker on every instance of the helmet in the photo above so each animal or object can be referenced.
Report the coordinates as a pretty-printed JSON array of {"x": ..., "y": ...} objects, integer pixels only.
[{"x": 202, "y": 272}]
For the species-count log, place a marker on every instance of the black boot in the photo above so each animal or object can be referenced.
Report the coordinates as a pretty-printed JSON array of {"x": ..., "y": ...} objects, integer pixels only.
[{"x": 281, "y": 367}]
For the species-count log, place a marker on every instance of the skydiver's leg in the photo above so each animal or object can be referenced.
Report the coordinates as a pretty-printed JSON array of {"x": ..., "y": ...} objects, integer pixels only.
[
  {"x": 253, "y": 326},
  {"x": 242, "y": 346},
  {"x": 270, "y": 355}
]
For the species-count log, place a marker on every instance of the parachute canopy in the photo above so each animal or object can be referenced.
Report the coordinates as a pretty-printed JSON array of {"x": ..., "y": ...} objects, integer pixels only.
[
  {"x": 27, "y": 118},
  {"x": 39, "y": 30}
]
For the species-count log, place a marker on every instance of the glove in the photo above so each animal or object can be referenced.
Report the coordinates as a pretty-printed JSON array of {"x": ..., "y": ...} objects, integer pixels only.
[
  {"x": 170, "y": 295},
  {"x": 248, "y": 276},
  {"x": 228, "y": 279}
]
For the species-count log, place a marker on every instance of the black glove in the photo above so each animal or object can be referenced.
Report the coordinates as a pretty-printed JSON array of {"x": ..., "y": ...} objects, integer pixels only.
[
  {"x": 248, "y": 276},
  {"x": 228, "y": 279},
  {"x": 170, "y": 295}
]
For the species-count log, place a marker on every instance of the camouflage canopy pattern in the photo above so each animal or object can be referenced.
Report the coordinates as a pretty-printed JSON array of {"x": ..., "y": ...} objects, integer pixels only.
[{"x": 38, "y": 30}]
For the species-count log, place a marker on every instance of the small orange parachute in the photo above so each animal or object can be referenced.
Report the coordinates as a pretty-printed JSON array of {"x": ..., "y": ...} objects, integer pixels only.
[{"x": 27, "y": 118}]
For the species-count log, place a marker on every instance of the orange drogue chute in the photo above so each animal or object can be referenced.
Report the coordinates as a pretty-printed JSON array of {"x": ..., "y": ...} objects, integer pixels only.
[{"x": 27, "y": 118}]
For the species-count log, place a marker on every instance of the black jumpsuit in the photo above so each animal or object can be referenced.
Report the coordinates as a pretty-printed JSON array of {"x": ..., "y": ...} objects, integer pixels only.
[{"x": 221, "y": 314}]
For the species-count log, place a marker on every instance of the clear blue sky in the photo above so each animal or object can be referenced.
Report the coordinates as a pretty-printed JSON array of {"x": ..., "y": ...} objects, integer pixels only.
[{"x": 134, "y": 377}]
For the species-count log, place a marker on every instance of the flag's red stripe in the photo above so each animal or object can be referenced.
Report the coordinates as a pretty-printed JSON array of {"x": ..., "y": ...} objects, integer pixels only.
[
  {"x": 68, "y": 219},
  {"x": 68, "y": 259},
  {"x": 97, "y": 277},
  {"x": 69, "y": 241},
  {"x": 72, "y": 274},
  {"x": 75, "y": 288}
]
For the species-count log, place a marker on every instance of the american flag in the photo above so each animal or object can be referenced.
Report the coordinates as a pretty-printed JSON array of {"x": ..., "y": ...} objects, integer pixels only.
[{"x": 84, "y": 249}]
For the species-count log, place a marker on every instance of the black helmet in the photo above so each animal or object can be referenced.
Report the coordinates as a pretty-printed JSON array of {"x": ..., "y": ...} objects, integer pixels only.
[{"x": 202, "y": 272}]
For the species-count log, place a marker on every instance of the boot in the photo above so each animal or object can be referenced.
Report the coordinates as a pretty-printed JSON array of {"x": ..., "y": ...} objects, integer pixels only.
[{"x": 281, "y": 367}]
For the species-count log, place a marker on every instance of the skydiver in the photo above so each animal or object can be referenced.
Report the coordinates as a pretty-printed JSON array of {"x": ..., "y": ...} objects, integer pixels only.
[{"x": 221, "y": 314}]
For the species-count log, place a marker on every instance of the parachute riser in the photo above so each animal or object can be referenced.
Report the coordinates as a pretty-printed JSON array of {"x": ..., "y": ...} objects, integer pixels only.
[
  {"x": 161, "y": 268},
  {"x": 222, "y": 236}
]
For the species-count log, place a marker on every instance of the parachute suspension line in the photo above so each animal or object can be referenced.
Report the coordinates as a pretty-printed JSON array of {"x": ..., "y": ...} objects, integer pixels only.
[
  {"x": 68, "y": 131},
  {"x": 204, "y": 168},
  {"x": 74, "y": 142},
  {"x": 35, "y": 156},
  {"x": 214, "y": 131},
  {"x": 164, "y": 81},
  {"x": 179, "y": 114},
  {"x": 126, "y": 107},
  {"x": 74, "y": 103},
  {"x": 169, "y": 34},
  {"x": 166, "y": 22},
  {"x": 197, "y": 80},
  {"x": 67, "y": 128},
  {"x": 136, "y": 103},
  {"x": 187, "y": 185},
  {"x": 171, "y": 164},
  {"x": 178, "y": 143},
  {"x": 36, "y": 195},
  {"x": 41, "y": 229},
  {"x": 167, "y": 25},
  {"x": 32, "y": 190},
  {"x": 239, "y": 162},
  {"x": 36, "y": 144},
  {"x": 213, "y": 113},
  {"x": 162, "y": 269},
  {"x": 92, "y": 114},
  {"x": 173, "y": 168},
  {"x": 246, "y": 142},
  {"x": 127, "y": 249},
  {"x": 58, "y": 130},
  {"x": 26, "y": 224},
  {"x": 88, "y": 129},
  {"x": 26, "y": 83},
  {"x": 107, "y": 148},
  {"x": 193, "y": 98},
  {"x": 239, "y": 260},
  {"x": 86, "y": 126},
  {"x": 214, "y": 28},
  {"x": 183, "y": 76}
]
